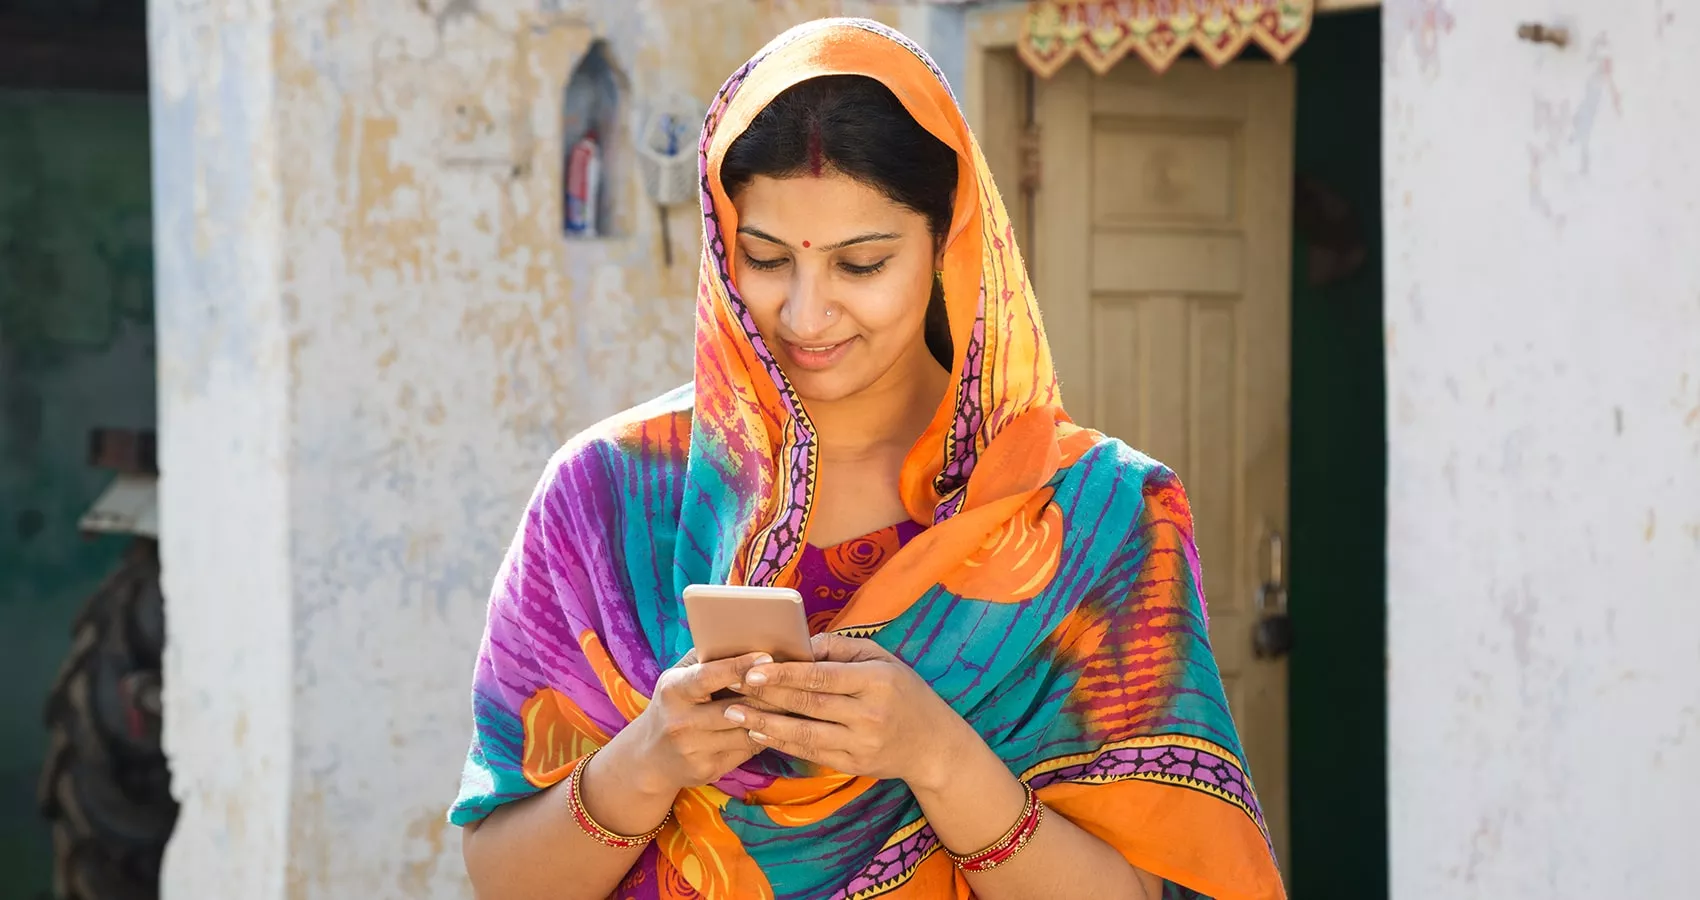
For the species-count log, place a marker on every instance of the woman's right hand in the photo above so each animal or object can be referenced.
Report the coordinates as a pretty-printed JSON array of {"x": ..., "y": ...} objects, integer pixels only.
[
  {"x": 680, "y": 740},
  {"x": 683, "y": 739}
]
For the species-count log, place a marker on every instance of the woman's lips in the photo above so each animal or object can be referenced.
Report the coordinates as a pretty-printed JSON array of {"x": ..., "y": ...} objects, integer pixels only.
[{"x": 817, "y": 357}]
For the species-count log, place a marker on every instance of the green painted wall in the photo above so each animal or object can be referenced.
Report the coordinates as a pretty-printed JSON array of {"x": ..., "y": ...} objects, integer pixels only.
[
  {"x": 1339, "y": 477},
  {"x": 76, "y": 352}
]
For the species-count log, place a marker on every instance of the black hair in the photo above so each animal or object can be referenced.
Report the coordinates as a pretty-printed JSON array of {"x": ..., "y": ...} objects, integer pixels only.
[{"x": 856, "y": 126}]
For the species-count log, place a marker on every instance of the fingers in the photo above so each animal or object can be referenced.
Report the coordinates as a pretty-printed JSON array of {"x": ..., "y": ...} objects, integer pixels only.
[
  {"x": 818, "y": 677},
  {"x": 711, "y": 716},
  {"x": 706, "y": 751},
  {"x": 777, "y": 698},
  {"x": 702, "y": 680},
  {"x": 831, "y": 647},
  {"x": 720, "y": 735},
  {"x": 819, "y": 742},
  {"x": 754, "y": 702}
]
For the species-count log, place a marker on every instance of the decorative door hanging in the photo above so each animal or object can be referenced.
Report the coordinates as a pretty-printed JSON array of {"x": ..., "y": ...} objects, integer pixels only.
[{"x": 1101, "y": 32}]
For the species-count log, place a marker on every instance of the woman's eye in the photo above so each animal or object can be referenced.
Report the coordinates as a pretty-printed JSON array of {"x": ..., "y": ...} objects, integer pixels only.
[
  {"x": 764, "y": 265},
  {"x": 854, "y": 269}
]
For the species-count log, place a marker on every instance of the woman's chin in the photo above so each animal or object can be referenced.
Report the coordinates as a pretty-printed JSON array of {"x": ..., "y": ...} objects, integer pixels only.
[{"x": 826, "y": 387}]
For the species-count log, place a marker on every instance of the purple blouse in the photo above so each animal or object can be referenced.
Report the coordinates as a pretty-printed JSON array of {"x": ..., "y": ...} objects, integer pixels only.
[{"x": 829, "y": 577}]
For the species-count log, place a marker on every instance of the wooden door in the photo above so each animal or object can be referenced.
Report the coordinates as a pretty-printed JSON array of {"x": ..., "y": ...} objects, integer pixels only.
[{"x": 1163, "y": 231}]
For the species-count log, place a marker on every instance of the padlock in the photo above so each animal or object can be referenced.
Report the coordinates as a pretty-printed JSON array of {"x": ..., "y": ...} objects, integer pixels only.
[{"x": 1272, "y": 636}]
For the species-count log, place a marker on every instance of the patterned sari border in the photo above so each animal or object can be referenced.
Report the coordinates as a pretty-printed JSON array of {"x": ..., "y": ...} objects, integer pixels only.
[
  {"x": 861, "y": 631},
  {"x": 1179, "y": 760},
  {"x": 894, "y": 864},
  {"x": 1139, "y": 743}
]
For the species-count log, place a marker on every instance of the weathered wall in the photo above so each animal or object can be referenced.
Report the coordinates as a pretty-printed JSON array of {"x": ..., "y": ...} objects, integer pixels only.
[
  {"x": 372, "y": 336},
  {"x": 76, "y": 352},
  {"x": 1543, "y": 331}
]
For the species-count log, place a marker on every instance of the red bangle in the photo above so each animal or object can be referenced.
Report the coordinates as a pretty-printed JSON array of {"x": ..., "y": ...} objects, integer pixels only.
[
  {"x": 1006, "y": 847},
  {"x": 589, "y": 825}
]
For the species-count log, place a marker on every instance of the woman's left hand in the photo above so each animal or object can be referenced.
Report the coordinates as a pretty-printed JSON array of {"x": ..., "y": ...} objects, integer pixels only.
[{"x": 856, "y": 709}]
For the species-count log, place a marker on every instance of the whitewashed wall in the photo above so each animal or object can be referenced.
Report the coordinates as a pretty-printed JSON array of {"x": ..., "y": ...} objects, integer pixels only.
[
  {"x": 371, "y": 337},
  {"x": 1543, "y": 306}
]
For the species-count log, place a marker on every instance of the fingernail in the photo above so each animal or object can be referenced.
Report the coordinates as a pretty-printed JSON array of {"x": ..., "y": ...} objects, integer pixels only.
[
  {"x": 735, "y": 714},
  {"x": 761, "y": 660},
  {"x": 757, "y": 678},
  {"x": 758, "y": 737}
]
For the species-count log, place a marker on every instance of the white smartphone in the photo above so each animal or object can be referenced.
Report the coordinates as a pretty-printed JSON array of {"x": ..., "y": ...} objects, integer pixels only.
[{"x": 732, "y": 620}]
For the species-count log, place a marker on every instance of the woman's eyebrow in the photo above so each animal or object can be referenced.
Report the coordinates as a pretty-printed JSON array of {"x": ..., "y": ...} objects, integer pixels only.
[{"x": 868, "y": 238}]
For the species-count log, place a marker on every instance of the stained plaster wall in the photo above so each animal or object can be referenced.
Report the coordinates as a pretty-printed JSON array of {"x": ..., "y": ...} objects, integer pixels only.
[
  {"x": 1543, "y": 341},
  {"x": 372, "y": 335}
]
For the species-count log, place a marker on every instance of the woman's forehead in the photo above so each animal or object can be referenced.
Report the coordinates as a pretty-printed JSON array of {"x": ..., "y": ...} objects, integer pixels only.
[{"x": 833, "y": 205}]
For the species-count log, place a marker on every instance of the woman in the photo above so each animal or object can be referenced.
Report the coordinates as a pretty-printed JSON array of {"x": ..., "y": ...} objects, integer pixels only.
[{"x": 1013, "y": 695}]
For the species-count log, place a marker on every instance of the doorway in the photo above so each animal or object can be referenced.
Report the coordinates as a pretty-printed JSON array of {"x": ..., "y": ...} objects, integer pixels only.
[
  {"x": 77, "y": 356},
  {"x": 1207, "y": 244},
  {"x": 1161, "y": 232},
  {"x": 1338, "y": 768}
]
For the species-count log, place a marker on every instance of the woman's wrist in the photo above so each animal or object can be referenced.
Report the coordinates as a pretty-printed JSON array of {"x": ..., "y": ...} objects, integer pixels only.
[
  {"x": 957, "y": 755},
  {"x": 970, "y": 798},
  {"x": 624, "y": 793}
]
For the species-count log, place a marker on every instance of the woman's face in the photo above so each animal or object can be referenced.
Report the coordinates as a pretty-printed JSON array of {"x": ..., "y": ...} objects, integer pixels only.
[{"x": 837, "y": 277}]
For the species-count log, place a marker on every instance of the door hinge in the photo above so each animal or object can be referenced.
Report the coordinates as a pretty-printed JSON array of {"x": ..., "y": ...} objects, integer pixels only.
[{"x": 1030, "y": 160}]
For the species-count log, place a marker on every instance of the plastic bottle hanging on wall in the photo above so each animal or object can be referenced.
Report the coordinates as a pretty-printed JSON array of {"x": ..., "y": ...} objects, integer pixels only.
[{"x": 590, "y": 114}]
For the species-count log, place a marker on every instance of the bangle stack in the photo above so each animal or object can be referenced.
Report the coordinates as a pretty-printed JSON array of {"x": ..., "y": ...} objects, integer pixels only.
[
  {"x": 1032, "y": 813},
  {"x": 589, "y": 825}
]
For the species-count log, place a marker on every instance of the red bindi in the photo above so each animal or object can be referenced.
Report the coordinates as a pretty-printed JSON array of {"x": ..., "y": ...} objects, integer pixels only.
[{"x": 805, "y": 245}]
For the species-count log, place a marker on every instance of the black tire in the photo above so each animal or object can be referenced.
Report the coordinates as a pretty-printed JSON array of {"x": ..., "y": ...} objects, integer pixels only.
[{"x": 105, "y": 785}]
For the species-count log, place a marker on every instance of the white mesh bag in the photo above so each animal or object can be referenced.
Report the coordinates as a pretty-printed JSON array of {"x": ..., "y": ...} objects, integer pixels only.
[{"x": 667, "y": 149}]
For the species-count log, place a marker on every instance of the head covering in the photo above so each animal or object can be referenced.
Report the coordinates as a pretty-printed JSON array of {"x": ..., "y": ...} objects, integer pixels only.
[{"x": 1054, "y": 601}]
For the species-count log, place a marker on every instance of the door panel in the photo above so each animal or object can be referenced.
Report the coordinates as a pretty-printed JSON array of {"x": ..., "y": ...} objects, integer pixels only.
[{"x": 1162, "y": 256}]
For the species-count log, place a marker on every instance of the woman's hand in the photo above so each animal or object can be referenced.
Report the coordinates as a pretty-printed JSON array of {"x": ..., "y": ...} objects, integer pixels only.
[
  {"x": 857, "y": 709},
  {"x": 682, "y": 738}
]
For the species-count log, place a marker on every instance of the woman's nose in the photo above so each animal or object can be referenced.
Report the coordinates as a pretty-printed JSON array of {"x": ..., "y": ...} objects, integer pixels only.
[{"x": 808, "y": 309}]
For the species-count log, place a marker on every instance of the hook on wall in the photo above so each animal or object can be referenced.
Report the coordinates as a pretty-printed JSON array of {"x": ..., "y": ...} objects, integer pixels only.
[{"x": 1536, "y": 33}]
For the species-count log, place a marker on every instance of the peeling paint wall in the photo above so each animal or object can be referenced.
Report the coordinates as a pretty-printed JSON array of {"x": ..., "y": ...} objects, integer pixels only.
[
  {"x": 372, "y": 335},
  {"x": 1543, "y": 335}
]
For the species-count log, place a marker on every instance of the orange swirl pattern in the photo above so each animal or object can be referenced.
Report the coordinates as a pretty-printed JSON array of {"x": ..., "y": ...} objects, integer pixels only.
[
  {"x": 821, "y": 621},
  {"x": 557, "y": 734},
  {"x": 1016, "y": 561},
  {"x": 626, "y": 699},
  {"x": 704, "y": 851},
  {"x": 855, "y": 561},
  {"x": 793, "y": 802}
]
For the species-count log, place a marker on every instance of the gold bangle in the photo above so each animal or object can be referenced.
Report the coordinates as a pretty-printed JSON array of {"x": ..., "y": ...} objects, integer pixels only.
[
  {"x": 588, "y": 824},
  {"x": 1013, "y": 841}
]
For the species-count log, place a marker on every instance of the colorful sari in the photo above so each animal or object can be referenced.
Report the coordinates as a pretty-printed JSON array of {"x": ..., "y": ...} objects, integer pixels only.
[{"x": 1053, "y": 597}]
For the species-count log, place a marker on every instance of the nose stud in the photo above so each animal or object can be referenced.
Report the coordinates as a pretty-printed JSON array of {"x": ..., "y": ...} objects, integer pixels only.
[{"x": 829, "y": 313}]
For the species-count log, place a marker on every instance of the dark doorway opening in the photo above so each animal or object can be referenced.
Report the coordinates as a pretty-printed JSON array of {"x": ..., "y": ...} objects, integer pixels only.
[
  {"x": 1339, "y": 470},
  {"x": 84, "y": 798}
]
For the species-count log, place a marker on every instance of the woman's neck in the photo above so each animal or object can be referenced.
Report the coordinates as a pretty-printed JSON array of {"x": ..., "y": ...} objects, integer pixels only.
[{"x": 886, "y": 417}]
